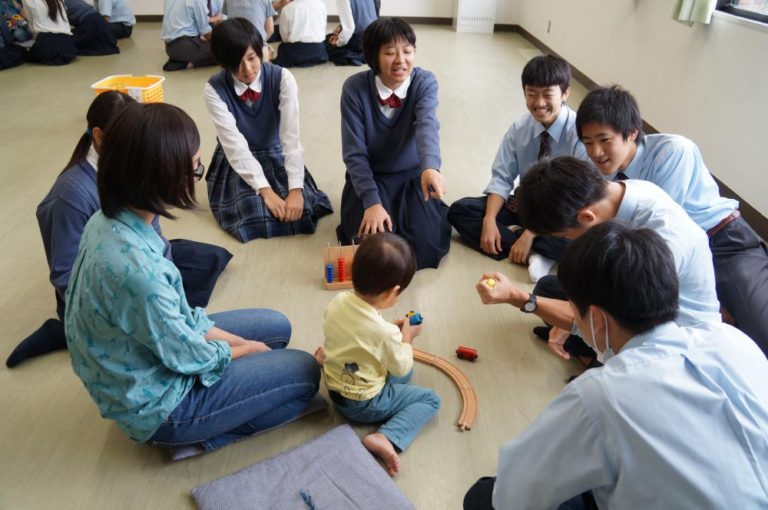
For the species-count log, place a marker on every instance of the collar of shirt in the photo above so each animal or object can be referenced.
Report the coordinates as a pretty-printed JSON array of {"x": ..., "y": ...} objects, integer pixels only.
[
  {"x": 635, "y": 166},
  {"x": 385, "y": 92},
  {"x": 628, "y": 205},
  {"x": 660, "y": 332},
  {"x": 557, "y": 128},
  {"x": 241, "y": 87},
  {"x": 142, "y": 229},
  {"x": 93, "y": 158}
]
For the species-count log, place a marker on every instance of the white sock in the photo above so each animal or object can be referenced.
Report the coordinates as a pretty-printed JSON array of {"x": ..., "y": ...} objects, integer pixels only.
[{"x": 538, "y": 266}]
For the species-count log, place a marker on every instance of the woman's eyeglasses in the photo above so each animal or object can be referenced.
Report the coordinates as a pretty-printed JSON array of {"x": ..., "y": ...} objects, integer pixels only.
[{"x": 199, "y": 171}]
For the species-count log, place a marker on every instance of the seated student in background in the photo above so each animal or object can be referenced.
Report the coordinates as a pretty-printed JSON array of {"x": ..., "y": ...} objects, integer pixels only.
[
  {"x": 345, "y": 45},
  {"x": 48, "y": 22},
  {"x": 547, "y": 130},
  {"x": 302, "y": 32},
  {"x": 93, "y": 35},
  {"x": 259, "y": 13},
  {"x": 11, "y": 54},
  {"x": 64, "y": 212},
  {"x": 369, "y": 361},
  {"x": 187, "y": 34},
  {"x": 639, "y": 433},
  {"x": 611, "y": 127},
  {"x": 278, "y": 5},
  {"x": 119, "y": 16},
  {"x": 258, "y": 186},
  {"x": 391, "y": 147},
  {"x": 578, "y": 198},
  {"x": 166, "y": 373}
]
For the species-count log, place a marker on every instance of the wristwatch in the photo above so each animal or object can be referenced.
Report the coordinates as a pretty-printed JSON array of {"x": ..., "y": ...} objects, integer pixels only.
[{"x": 529, "y": 306}]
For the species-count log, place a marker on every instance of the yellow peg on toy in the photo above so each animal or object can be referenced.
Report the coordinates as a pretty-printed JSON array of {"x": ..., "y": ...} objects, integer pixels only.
[{"x": 490, "y": 282}]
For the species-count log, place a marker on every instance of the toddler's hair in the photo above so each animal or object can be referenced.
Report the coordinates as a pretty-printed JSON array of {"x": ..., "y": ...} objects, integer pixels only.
[{"x": 383, "y": 261}]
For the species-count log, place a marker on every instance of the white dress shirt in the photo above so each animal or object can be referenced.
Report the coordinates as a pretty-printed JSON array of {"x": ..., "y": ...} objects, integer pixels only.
[
  {"x": 385, "y": 92},
  {"x": 36, "y": 12},
  {"x": 236, "y": 146},
  {"x": 303, "y": 21},
  {"x": 347, "y": 22},
  {"x": 677, "y": 419}
]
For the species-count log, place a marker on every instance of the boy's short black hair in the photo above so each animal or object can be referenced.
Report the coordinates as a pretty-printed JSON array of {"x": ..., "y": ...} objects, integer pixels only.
[
  {"x": 629, "y": 273},
  {"x": 611, "y": 106},
  {"x": 231, "y": 38},
  {"x": 547, "y": 71},
  {"x": 384, "y": 31},
  {"x": 146, "y": 160},
  {"x": 553, "y": 192},
  {"x": 382, "y": 261}
]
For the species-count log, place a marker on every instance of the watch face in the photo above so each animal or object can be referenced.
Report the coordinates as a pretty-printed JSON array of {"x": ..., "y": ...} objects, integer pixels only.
[{"x": 529, "y": 306}]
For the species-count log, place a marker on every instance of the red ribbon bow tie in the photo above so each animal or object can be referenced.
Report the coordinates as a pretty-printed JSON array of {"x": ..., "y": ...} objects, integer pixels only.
[
  {"x": 392, "y": 101},
  {"x": 250, "y": 95}
]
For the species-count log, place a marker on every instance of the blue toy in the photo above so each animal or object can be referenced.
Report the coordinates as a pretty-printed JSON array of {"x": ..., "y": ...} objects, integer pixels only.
[{"x": 414, "y": 318}]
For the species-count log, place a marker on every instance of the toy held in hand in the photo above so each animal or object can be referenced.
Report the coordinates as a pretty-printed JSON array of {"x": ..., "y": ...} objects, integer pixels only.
[{"x": 414, "y": 318}]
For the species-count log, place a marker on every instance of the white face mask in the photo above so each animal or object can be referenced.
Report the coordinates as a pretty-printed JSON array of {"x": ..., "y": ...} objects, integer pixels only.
[{"x": 602, "y": 356}]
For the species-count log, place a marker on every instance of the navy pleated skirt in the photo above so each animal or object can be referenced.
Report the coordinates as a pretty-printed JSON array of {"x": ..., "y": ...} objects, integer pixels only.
[
  {"x": 423, "y": 224},
  {"x": 53, "y": 49}
]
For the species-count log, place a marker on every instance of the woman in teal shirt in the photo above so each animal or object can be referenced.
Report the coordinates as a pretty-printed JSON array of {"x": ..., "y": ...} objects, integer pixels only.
[{"x": 160, "y": 369}]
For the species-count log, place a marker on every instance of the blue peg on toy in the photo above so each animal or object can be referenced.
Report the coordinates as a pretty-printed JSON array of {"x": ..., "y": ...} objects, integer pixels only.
[
  {"x": 414, "y": 318},
  {"x": 329, "y": 273}
]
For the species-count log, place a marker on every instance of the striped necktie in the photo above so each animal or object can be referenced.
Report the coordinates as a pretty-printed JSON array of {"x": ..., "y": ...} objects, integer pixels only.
[{"x": 544, "y": 145}]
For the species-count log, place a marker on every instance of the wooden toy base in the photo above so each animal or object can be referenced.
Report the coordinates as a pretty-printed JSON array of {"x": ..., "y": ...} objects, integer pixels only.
[{"x": 331, "y": 255}]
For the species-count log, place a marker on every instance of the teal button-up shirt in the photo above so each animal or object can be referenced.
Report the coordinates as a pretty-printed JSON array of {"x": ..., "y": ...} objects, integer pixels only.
[{"x": 134, "y": 341}]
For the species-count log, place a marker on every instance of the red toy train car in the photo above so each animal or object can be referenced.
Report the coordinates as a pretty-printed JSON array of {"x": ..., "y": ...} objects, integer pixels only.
[{"x": 466, "y": 353}]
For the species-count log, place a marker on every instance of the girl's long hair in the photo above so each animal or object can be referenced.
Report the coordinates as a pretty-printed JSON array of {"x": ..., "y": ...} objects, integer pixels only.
[
  {"x": 102, "y": 110},
  {"x": 55, "y": 9}
]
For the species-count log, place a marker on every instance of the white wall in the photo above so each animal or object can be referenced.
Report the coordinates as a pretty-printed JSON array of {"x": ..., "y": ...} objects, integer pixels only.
[
  {"x": 707, "y": 82},
  {"x": 424, "y": 8}
]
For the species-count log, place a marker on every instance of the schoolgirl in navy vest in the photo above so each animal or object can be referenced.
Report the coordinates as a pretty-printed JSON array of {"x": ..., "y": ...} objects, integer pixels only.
[
  {"x": 64, "y": 212},
  {"x": 345, "y": 44},
  {"x": 258, "y": 186},
  {"x": 391, "y": 147}
]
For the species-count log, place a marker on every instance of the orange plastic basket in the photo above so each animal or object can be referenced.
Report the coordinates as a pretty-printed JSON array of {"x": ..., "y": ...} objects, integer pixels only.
[{"x": 144, "y": 89}]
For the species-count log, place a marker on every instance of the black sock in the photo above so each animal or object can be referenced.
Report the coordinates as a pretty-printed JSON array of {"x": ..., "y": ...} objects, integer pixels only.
[{"x": 48, "y": 338}]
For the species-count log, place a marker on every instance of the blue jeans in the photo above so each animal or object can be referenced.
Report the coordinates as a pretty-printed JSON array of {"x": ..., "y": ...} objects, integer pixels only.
[
  {"x": 255, "y": 393},
  {"x": 405, "y": 409}
]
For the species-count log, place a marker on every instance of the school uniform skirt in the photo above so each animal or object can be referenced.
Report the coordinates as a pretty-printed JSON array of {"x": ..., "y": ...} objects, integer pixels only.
[
  {"x": 423, "y": 224},
  {"x": 351, "y": 54},
  {"x": 301, "y": 54},
  {"x": 93, "y": 36},
  {"x": 53, "y": 49},
  {"x": 242, "y": 212}
]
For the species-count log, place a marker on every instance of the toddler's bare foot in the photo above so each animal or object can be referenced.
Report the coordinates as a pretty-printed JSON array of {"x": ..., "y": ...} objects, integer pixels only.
[
  {"x": 378, "y": 444},
  {"x": 320, "y": 355}
]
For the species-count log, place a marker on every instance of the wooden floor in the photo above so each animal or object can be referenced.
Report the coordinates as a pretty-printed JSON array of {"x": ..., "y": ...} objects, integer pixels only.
[{"x": 55, "y": 450}]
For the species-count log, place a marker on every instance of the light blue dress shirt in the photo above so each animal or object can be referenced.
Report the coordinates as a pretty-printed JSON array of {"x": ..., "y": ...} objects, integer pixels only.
[
  {"x": 645, "y": 205},
  {"x": 184, "y": 18},
  {"x": 134, "y": 341},
  {"x": 677, "y": 420},
  {"x": 118, "y": 11},
  {"x": 255, "y": 11},
  {"x": 519, "y": 149},
  {"x": 674, "y": 164}
]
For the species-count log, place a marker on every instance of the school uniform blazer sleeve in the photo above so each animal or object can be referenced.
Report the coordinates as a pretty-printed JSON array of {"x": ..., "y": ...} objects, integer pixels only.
[
  {"x": 65, "y": 230},
  {"x": 505, "y": 167},
  {"x": 560, "y": 455},
  {"x": 233, "y": 142},
  {"x": 347, "y": 22},
  {"x": 158, "y": 324},
  {"x": 396, "y": 356},
  {"x": 289, "y": 130},
  {"x": 426, "y": 123},
  {"x": 354, "y": 146}
]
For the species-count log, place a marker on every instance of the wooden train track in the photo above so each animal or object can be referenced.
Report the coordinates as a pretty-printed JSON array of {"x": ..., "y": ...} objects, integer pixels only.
[{"x": 469, "y": 409}]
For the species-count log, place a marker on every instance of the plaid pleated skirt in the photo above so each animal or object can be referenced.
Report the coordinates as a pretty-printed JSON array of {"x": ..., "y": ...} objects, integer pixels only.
[{"x": 242, "y": 212}]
